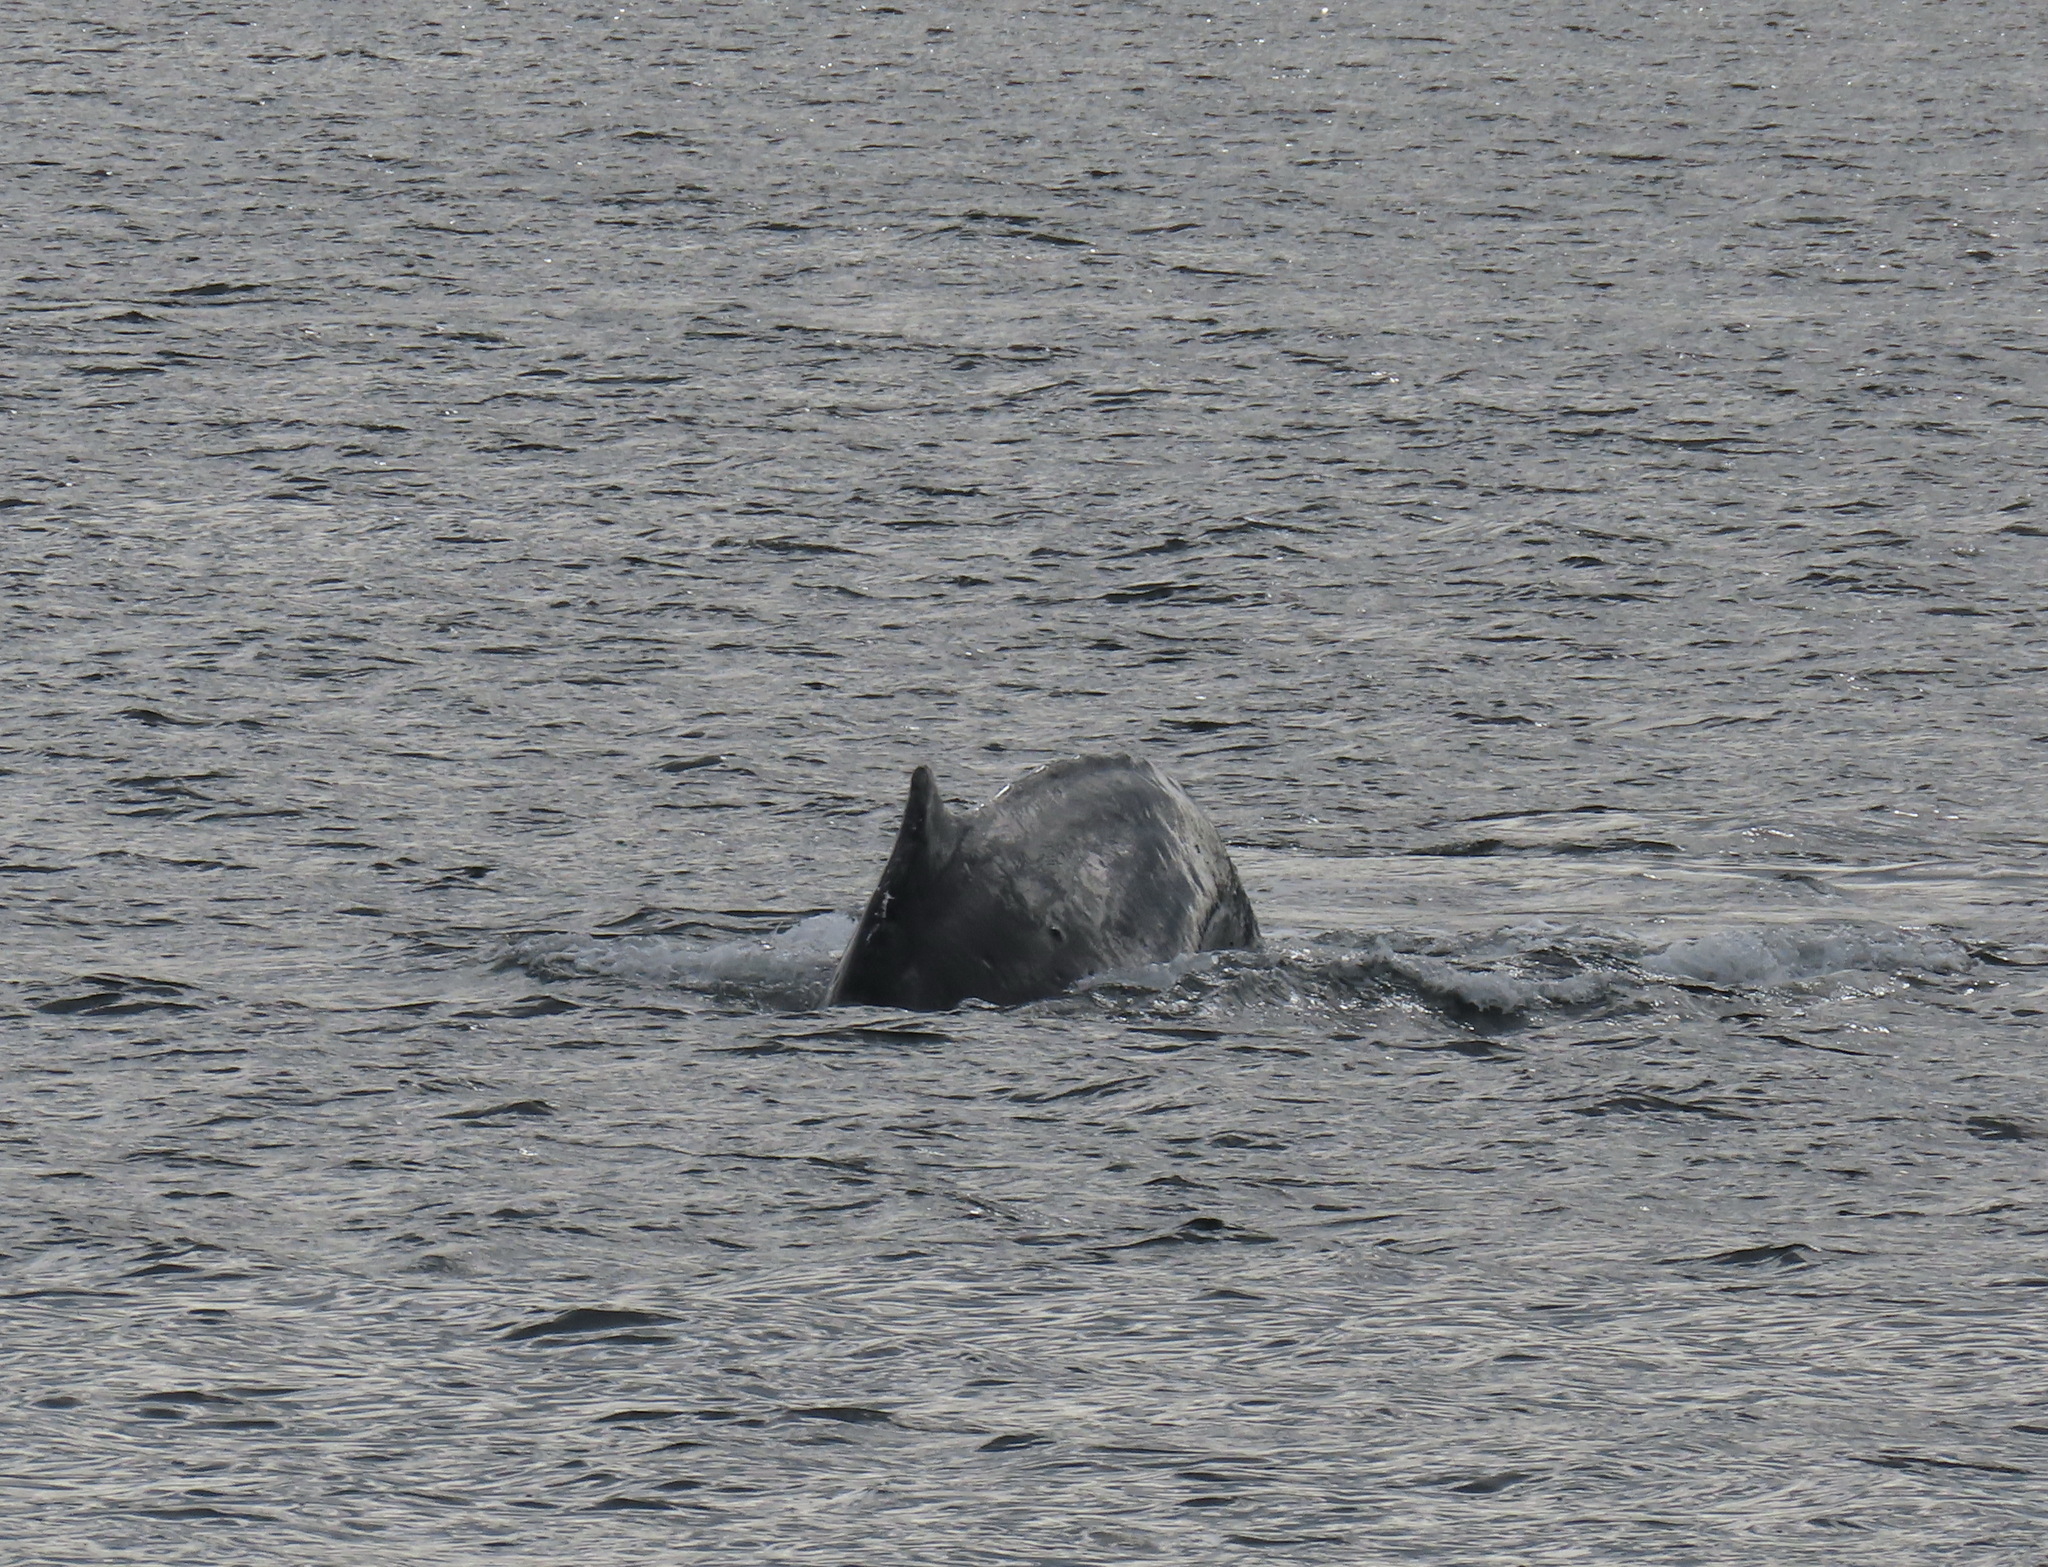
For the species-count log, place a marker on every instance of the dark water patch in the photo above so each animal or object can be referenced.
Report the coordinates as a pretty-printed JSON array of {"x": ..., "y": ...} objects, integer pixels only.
[
  {"x": 1143, "y": 1450},
  {"x": 1493, "y": 718},
  {"x": 1767, "y": 1256},
  {"x": 583, "y": 1321},
  {"x": 217, "y": 1409},
  {"x": 1204, "y": 1230},
  {"x": 1463, "y": 849},
  {"x": 124, "y": 998},
  {"x": 774, "y": 1047},
  {"x": 842, "y": 1414},
  {"x": 528, "y": 1006},
  {"x": 2011, "y": 957},
  {"x": 1808, "y": 1044},
  {"x": 523, "y": 1108},
  {"x": 1177, "y": 592},
  {"x": 1211, "y": 1474},
  {"x": 69, "y": 1294},
  {"x": 187, "y": 1270},
  {"x": 1999, "y": 1129},
  {"x": 184, "y": 1158},
  {"x": 151, "y": 718},
  {"x": 876, "y": 1034},
  {"x": 216, "y": 293},
  {"x": 788, "y": 545},
  {"x": 187, "y": 1397},
  {"x": 206, "y": 1513},
  {"x": 1099, "y": 1090},
  {"x": 1352, "y": 1221},
  {"x": 1247, "y": 1140},
  {"x": 1476, "y": 848},
  {"x": 1485, "y": 1484},
  {"x": 1922, "y": 1464},
  {"x": 1656, "y": 1104},
  {"x": 1283, "y": 1541},
  {"x": 1012, "y": 1441}
]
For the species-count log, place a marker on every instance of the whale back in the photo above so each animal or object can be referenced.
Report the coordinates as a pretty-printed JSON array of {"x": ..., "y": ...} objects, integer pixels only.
[{"x": 1078, "y": 867}]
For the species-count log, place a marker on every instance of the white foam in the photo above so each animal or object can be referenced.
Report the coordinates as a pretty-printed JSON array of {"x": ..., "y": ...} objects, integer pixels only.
[
  {"x": 791, "y": 968},
  {"x": 1765, "y": 956},
  {"x": 1483, "y": 990},
  {"x": 1151, "y": 976},
  {"x": 795, "y": 959}
]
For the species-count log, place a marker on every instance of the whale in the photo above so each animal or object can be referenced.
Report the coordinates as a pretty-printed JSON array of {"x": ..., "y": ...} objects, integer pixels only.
[{"x": 1079, "y": 867}]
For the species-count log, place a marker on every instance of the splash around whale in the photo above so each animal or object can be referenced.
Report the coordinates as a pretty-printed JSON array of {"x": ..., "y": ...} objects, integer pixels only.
[{"x": 1078, "y": 867}]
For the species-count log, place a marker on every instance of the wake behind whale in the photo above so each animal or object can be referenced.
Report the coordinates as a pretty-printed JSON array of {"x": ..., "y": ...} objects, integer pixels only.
[
  {"x": 1079, "y": 867},
  {"x": 1101, "y": 868}
]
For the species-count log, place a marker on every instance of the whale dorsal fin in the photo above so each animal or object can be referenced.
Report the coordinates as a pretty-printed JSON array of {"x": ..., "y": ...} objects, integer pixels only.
[
  {"x": 924, "y": 842},
  {"x": 924, "y": 813}
]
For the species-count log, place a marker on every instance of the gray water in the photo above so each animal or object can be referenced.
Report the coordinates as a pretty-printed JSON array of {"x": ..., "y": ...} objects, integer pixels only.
[{"x": 495, "y": 506}]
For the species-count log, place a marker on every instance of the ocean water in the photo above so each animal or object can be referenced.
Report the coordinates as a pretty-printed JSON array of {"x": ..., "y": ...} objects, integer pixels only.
[{"x": 494, "y": 501}]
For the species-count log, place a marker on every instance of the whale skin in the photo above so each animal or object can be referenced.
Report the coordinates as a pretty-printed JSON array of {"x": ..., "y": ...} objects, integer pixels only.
[{"x": 1081, "y": 866}]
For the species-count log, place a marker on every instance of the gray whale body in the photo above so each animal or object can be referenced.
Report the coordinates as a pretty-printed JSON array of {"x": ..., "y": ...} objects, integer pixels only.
[{"x": 1080, "y": 866}]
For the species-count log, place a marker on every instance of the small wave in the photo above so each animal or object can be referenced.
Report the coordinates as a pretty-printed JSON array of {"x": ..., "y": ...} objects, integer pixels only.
[
  {"x": 1157, "y": 977},
  {"x": 1503, "y": 973},
  {"x": 787, "y": 969},
  {"x": 1512, "y": 972},
  {"x": 1773, "y": 956},
  {"x": 1340, "y": 972},
  {"x": 1501, "y": 990}
]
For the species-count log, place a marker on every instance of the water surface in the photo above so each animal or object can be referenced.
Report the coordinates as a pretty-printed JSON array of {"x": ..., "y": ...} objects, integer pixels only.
[{"x": 496, "y": 504}]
